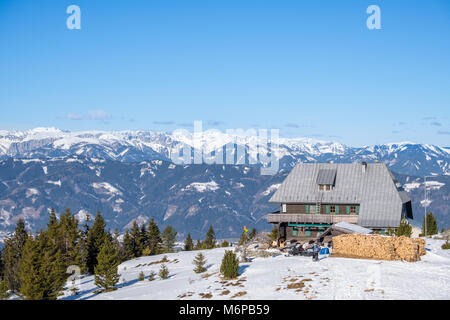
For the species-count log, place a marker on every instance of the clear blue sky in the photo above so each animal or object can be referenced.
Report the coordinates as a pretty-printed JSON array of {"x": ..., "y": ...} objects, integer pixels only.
[{"x": 309, "y": 68}]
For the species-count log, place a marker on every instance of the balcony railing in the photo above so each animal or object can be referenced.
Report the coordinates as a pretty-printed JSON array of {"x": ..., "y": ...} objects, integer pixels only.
[{"x": 311, "y": 218}]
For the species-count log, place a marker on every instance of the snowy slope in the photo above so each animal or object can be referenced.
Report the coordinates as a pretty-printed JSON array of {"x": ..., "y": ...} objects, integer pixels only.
[{"x": 268, "y": 278}]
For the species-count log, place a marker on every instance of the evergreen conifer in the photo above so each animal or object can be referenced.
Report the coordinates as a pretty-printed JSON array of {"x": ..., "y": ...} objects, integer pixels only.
[
  {"x": 188, "y": 243},
  {"x": 154, "y": 238},
  {"x": 168, "y": 237},
  {"x": 199, "y": 262},
  {"x": 210, "y": 241},
  {"x": 404, "y": 229},
  {"x": 230, "y": 265},
  {"x": 106, "y": 271}
]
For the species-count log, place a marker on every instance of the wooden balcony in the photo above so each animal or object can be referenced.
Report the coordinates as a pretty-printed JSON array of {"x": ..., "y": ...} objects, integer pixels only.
[{"x": 311, "y": 218}]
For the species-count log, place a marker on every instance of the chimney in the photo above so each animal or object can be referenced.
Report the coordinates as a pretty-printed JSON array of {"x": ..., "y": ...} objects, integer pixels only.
[{"x": 364, "y": 166}]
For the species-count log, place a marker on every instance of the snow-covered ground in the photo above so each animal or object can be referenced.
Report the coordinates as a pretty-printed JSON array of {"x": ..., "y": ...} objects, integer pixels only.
[{"x": 269, "y": 278}]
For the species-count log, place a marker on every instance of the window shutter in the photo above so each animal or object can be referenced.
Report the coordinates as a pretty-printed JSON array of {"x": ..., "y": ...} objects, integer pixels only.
[
  {"x": 306, "y": 208},
  {"x": 327, "y": 209},
  {"x": 357, "y": 209},
  {"x": 347, "y": 209},
  {"x": 337, "y": 209}
]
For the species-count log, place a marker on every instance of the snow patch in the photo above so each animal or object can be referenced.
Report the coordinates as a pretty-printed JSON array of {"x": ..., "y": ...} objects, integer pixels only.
[
  {"x": 106, "y": 188},
  {"x": 56, "y": 183},
  {"x": 31, "y": 192},
  {"x": 202, "y": 186},
  {"x": 271, "y": 189}
]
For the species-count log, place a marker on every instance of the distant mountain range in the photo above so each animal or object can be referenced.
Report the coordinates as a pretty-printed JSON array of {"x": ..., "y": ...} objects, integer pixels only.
[{"x": 129, "y": 175}]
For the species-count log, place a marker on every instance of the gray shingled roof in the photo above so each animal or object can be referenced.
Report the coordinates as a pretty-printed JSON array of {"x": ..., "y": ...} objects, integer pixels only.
[
  {"x": 326, "y": 176},
  {"x": 374, "y": 190}
]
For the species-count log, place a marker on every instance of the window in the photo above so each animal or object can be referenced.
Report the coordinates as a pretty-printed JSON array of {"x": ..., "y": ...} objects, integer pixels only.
[
  {"x": 321, "y": 187},
  {"x": 301, "y": 232},
  {"x": 352, "y": 209},
  {"x": 328, "y": 187},
  {"x": 284, "y": 207},
  {"x": 332, "y": 209}
]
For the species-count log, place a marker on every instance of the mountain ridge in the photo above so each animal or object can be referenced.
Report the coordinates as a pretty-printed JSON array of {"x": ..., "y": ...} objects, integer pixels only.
[{"x": 135, "y": 146}]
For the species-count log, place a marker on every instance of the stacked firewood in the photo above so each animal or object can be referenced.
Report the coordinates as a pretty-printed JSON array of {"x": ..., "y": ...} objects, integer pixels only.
[{"x": 378, "y": 247}]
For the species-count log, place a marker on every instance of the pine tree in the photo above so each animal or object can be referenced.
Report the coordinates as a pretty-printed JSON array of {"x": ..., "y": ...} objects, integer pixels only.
[
  {"x": 199, "y": 245},
  {"x": 273, "y": 235},
  {"x": 431, "y": 224},
  {"x": 210, "y": 241},
  {"x": 151, "y": 276},
  {"x": 83, "y": 247},
  {"x": 128, "y": 246},
  {"x": 163, "y": 272},
  {"x": 106, "y": 271},
  {"x": 243, "y": 239},
  {"x": 2, "y": 265},
  {"x": 42, "y": 271},
  {"x": 404, "y": 229},
  {"x": 68, "y": 240},
  {"x": 168, "y": 237},
  {"x": 141, "y": 276},
  {"x": 199, "y": 262},
  {"x": 118, "y": 247},
  {"x": 95, "y": 239},
  {"x": 230, "y": 265},
  {"x": 252, "y": 235},
  {"x": 390, "y": 231},
  {"x": 154, "y": 238},
  {"x": 188, "y": 243},
  {"x": 12, "y": 253},
  {"x": 4, "y": 290},
  {"x": 53, "y": 229},
  {"x": 29, "y": 272},
  {"x": 53, "y": 268},
  {"x": 146, "y": 251},
  {"x": 143, "y": 237},
  {"x": 136, "y": 240}
]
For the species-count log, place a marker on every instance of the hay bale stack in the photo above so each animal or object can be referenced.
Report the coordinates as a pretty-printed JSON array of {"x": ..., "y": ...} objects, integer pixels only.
[
  {"x": 378, "y": 247},
  {"x": 421, "y": 244}
]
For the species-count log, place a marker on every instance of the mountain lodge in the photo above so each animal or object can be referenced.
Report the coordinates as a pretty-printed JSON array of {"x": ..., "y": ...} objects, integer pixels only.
[{"x": 315, "y": 196}]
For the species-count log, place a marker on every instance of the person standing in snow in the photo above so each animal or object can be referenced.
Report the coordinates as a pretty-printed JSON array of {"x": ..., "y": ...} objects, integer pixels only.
[{"x": 316, "y": 252}]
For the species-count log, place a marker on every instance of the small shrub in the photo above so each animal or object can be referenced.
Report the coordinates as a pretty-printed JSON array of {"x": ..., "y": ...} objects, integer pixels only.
[
  {"x": 273, "y": 235},
  {"x": 446, "y": 245},
  {"x": 225, "y": 244},
  {"x": 230, "y": 265},
  {"x": 141, "y": 276},
  {"x": 147, "y": 251},
  {"x": 152, "y": 276},
  {"x": 404, "y": 229},
  {"x": 163, "y": 272},
  {"x": 164, "y": 259},
  {"x": 390, "y": 232},
  {"x": 199, "y": 262},
  {"x": 4, "y": 290}
]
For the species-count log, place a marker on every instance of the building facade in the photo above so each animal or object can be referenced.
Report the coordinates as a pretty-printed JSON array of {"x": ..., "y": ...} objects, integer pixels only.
[{"x": 314, "y": 196}]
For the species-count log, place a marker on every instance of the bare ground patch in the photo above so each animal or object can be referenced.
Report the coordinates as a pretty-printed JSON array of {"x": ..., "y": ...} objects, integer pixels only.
[
  {"x": 239, "y": 294},
  {"x": 225, "y": 292}
]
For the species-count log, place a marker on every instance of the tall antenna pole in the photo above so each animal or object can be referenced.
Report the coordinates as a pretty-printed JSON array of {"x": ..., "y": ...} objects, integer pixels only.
[{"x": 426, "y": 204}]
